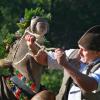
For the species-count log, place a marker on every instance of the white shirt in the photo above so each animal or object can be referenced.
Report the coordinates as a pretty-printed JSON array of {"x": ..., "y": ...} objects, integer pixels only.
[{"x": 52, "y": 63}]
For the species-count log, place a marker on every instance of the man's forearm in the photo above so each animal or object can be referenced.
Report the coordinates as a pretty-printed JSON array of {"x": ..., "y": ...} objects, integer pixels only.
[{"x": 85, "y": 82}]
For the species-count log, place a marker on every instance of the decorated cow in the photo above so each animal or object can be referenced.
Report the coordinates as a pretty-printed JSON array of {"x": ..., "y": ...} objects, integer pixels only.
[{"x": 24, "y": 81}]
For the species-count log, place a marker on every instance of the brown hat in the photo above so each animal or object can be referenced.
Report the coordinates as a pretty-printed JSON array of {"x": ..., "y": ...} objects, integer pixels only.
[{"x": 91, "y": 39}]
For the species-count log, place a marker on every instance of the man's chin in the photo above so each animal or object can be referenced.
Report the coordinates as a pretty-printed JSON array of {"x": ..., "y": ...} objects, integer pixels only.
[{"x": 82, "y": 60}]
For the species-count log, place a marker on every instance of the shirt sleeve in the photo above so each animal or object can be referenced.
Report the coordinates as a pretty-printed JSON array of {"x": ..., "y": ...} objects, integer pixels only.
[
  {"x": 96, "y": 76},
  {"x": 52, "y": 63}
]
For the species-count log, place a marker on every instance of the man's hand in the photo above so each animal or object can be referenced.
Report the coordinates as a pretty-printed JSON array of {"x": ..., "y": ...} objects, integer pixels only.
[
  {"x": 60, "y": 57},
  {"x": 30, "y": 39},
  {"x": 42, "y": 57}
]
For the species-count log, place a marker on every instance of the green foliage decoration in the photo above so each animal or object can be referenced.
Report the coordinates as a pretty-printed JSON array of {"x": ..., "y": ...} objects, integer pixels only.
[
  {"x": 2, "y": 51},
  {"x": 29, "y": 13},
  {"x": 8, "y": 39}
]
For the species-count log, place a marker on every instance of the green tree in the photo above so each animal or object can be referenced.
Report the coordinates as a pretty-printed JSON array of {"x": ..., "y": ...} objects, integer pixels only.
[{"x": 70, "y": 19}]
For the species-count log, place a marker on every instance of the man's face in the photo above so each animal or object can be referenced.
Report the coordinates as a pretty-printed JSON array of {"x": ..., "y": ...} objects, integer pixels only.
[{"x": 86, "y": 56}]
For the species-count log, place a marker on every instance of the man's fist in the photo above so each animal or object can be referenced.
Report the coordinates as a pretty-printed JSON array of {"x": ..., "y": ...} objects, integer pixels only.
[{"x": 30, "y": 39}]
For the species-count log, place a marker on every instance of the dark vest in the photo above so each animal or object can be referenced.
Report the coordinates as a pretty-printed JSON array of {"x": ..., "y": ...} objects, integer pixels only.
[{"x": 92, "y": 96}]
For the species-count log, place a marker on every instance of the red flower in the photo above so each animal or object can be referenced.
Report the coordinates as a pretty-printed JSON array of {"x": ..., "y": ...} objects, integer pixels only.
[
  {"x": 17, "y": 93},
  {"x": 33, "y": 86},
  {"x": 20, "y": 75}
]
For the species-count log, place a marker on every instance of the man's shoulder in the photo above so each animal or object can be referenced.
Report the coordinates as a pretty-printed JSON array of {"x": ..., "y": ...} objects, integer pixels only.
[{"x": 71, "y": 51}]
